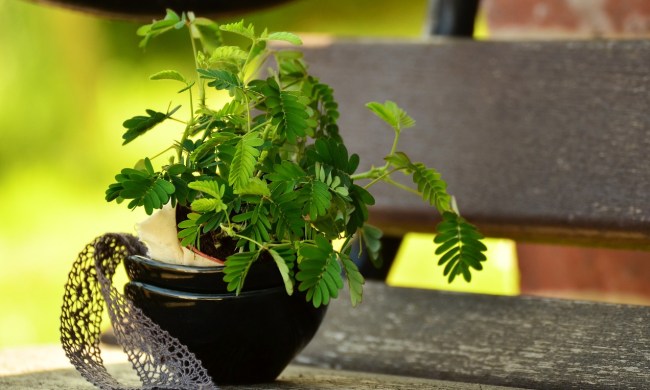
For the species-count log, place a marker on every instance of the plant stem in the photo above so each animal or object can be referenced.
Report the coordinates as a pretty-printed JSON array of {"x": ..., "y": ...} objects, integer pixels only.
[{"x": 196, "y": 66}]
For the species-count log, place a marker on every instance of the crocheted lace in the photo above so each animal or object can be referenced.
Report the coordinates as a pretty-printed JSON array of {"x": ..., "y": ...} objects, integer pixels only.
[{"x": 159, "y": 359}]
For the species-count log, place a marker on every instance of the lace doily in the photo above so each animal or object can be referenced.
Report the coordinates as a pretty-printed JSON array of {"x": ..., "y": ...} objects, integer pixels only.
[{"x": 159, "y": 359}]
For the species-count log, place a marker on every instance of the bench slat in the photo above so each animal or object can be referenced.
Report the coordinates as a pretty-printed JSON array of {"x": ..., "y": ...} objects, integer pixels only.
[
  {"x": 544, "y": 141},
  {"x": 506, "y": 341}
]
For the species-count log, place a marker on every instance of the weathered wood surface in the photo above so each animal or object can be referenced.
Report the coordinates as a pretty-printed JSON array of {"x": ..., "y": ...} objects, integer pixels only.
[
  {"x": 544, "y": 141},
  {"x": 507, "y": 341},
  {"x": 14, "y": 376}
]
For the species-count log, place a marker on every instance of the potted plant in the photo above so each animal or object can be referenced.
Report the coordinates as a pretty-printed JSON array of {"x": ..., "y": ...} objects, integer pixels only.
[{"x": 252, "y": 194}]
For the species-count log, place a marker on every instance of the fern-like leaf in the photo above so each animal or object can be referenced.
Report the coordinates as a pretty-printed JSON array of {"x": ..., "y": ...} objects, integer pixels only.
[
  {"x": 190, "y": 230},
  {"x": 288, "y": 172},
  {"x": 334, "y": 154},
  {"x": 355, "y": 279},
  {"x": 370, "y": 240},
  {"x": 138, "y": 125},
  {"x": 244, "y": 160},
  {"x": 288, "y": 111},
  {"x": 326, "y": 105},
  {"x": 221, "y": 79},
  {"x": 257, "y": 225},
  {"x": 361, "y": 199},
  {"x": 288, "y": 218},
  {"x": 240, "y": 29},
  {"x": 210, "y": 187},
  {"x": 284, "y": 271},
  {"x": 315, "y": 198},
  {"x": 255, "y": 186},
  {"x": 431, "y": 186},
  {"x": 286, "y": 37},
  {"x": 460, "y": 246},
  {"x": 142, "y": 187},
  {"x": 392, "y": 114},
  {"x": 230, "y": 58},
  {"x": 236, "y": 269},
  {"x": 319, "y": 272}
]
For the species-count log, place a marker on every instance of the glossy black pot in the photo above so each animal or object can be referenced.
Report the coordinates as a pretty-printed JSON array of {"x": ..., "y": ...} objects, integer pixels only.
[{"x": 248, "y": 338}]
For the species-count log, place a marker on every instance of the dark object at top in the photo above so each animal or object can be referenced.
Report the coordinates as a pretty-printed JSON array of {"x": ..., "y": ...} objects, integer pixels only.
[
  {"x": 147, "y": 9},
  {"x": 454, "y": 18}
]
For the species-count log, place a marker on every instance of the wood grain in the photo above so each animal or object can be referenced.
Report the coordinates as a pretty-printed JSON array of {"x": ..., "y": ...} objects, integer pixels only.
[
  {"x": 508, "y": 341},
  {"x": 542, "y": 141}
]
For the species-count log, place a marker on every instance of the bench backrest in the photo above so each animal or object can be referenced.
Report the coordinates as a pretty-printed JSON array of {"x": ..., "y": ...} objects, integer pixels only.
[{"x": 544, "y": 141}]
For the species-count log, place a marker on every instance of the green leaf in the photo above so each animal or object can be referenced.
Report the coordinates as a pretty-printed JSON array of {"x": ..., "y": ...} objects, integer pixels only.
[
  {"x": 204, "y": 205},
  {"x": 221, "y": 79},
  {"x": 244, "y": 160},
  {"x": 316, "y": 198},
  {"x": 286, "y": 171},
  {"x": 319, "y": 272},
  {"x": 170, "y": 22},
  {"x": 459, "y": 243},
  {"x": 236, "y": 269},
  {"x": 230, "y": 58},
  {"x": 390, "y": 113},
  {"x": 255, "y": 186},
  {"x": 361, "y": 199},
  {"x": 286, "y": 213},
  {"x": 399, "y": 160},
  {"x": 143, "y": 187},
  {"x": 210, "y": 187},
  {"x": 284, "y": 271},
  {"x": 370, "y": 239},
  {"x": 431, "y": 186},
  {"x": 240, "y": 29},
  {"x": 210, "y": 145},
  {"x": 355, "y": 279},
  {"x": 285, "y": 36},
  {"x": 138, "y": 125},
  {"x": 288, "y": 111},
  {"x": 168, "y": 75},
  {"x": 189, "y": 230}
]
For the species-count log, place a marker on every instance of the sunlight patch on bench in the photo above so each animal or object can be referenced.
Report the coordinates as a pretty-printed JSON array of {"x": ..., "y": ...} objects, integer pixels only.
[{"x": 416, "y": 266}]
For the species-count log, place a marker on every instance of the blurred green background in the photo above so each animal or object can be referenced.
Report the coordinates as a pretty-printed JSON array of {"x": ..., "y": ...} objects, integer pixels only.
[{"x": 67, "y": 82}]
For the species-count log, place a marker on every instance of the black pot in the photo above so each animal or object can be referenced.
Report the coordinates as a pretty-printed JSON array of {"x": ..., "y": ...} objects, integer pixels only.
[{"x": 242, "y": 339}]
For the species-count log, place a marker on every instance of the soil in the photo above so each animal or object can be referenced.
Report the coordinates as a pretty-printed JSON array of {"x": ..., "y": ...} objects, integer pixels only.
[{"x": 212, "y": 244}]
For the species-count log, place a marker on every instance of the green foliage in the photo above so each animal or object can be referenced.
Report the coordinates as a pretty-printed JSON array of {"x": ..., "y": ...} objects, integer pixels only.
[
  {"x": 431, "y": 186},
  {"x": 316, "y": 199},
  {"x": 170, "y": 22},
  {"x": 144, "y": 187},
  {"x": 285, "y": 36},
  {"x": 320, "y": 272},
  {"x": 460, "y": 246},
  {"x": 240, "y": 29},
  {"x": 283, "y": 267},
  {"x": 243, "y": 162},
  {"x": 370, "y": 240},
  {"x": 288, "y": 110},
  {"x": 168, "y": 75},
  {"x": 140, "y": 124},
  {"x": 221, "y": 79},
  {"x": 354, "y": 278},
  {"x": 390, "y": 113},
  {"x": 236, "y": 269},
  {"x": 269, "y": 170}
]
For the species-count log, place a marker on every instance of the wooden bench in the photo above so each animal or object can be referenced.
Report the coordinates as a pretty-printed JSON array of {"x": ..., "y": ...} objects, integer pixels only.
[{"x": 541, "y": 141}]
